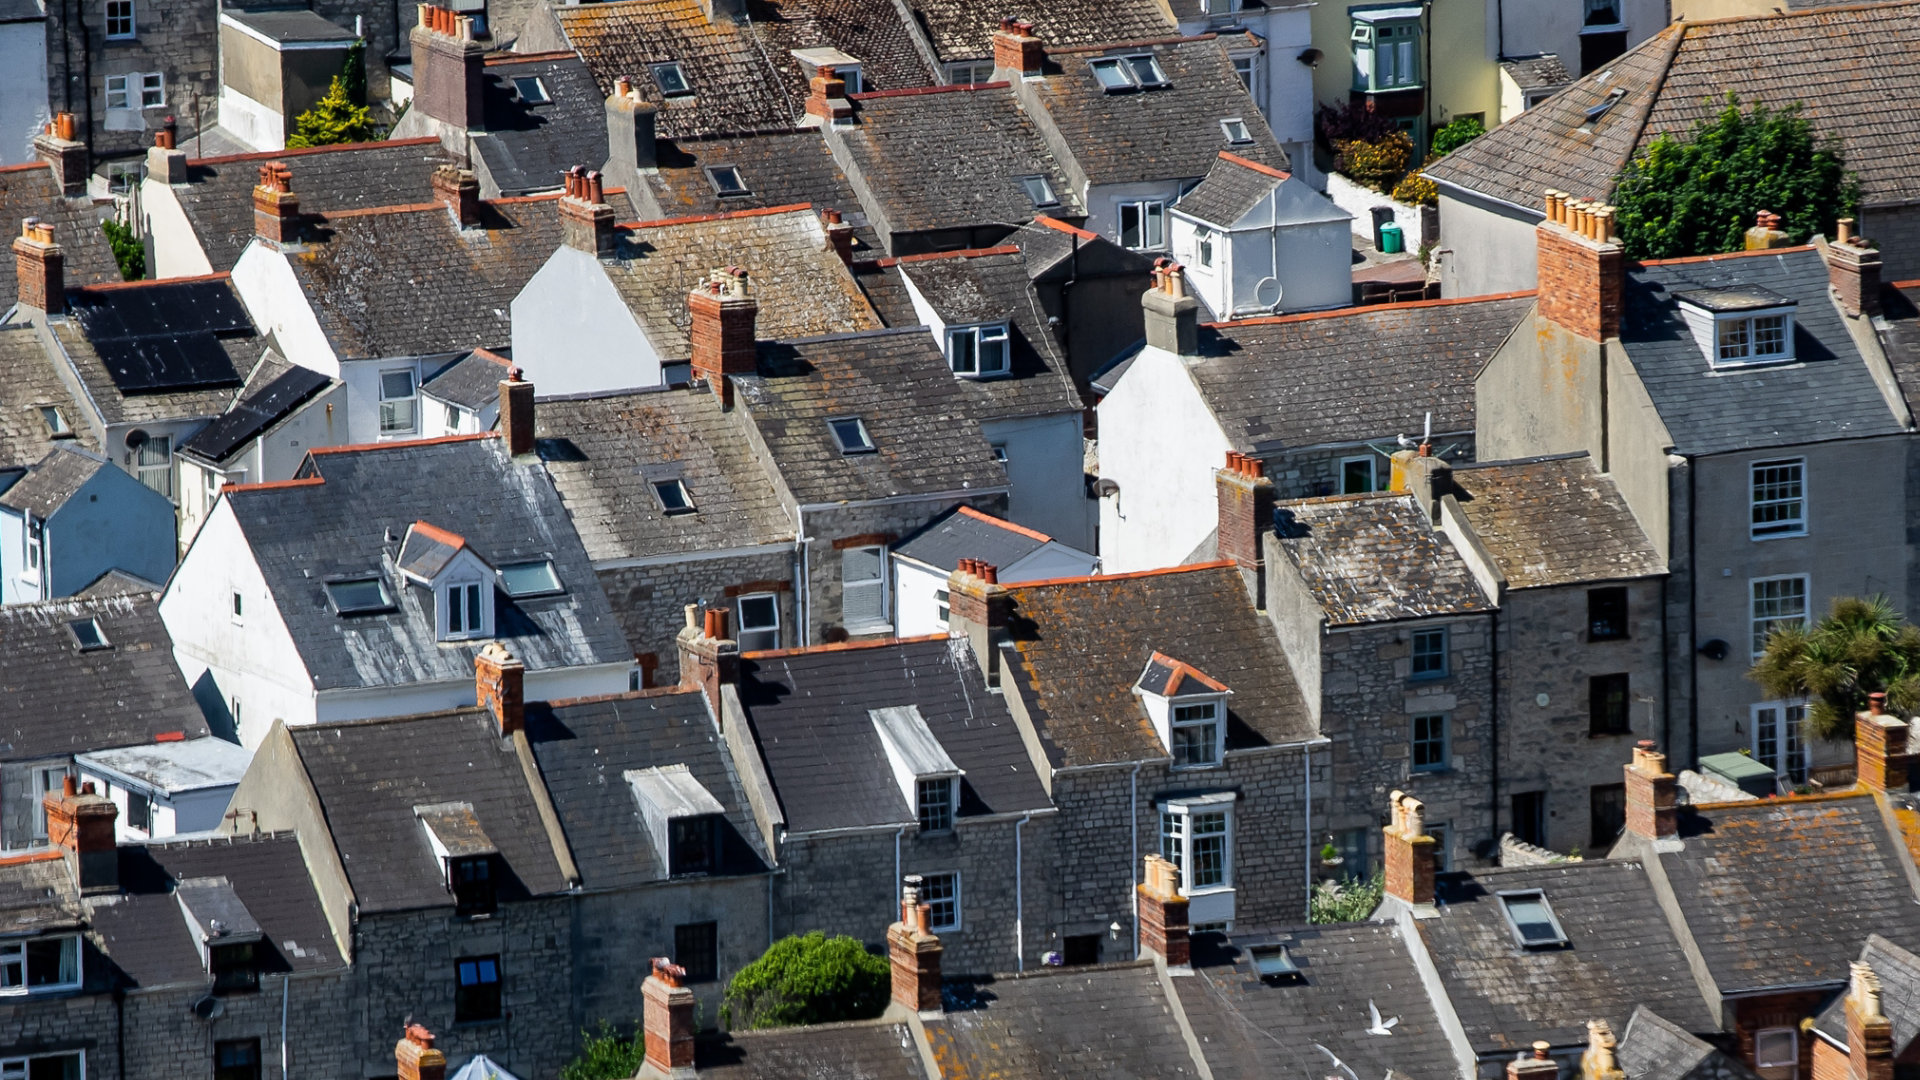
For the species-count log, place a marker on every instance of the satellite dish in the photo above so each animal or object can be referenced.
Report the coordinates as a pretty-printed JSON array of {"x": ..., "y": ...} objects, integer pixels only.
[
  {"x": 1267, "y": 293},
  {"x": 136, "y": 439},
  {"x": 208, "y": 1008},
  {"x": 1106, "y": 486}
]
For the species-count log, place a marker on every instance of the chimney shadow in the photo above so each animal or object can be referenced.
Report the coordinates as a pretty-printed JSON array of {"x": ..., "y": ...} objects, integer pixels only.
[{"x": 967, "y": 993}]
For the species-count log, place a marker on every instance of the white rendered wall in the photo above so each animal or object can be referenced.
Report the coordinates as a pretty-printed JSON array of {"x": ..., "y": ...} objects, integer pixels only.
[
  {"x": 176, "y": 248},
  {"x": 573, "y": 333},
  {"x": 1160, "y": 443},
  {"x": 551, "y": 685},
  {"x": 23, "y": 89},
  {"x": 259, "y": 126},
  {"x": 916, "y": 610},
  {"x": 279, "y": 307}
]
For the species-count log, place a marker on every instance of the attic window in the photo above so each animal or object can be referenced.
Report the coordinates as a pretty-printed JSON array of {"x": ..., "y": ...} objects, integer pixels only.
[
  {"x": 359, "y": 596},
  {"x": 529, "y": 579},
  {"x": 1146, "y": 71},
  {"x": 56, "y": 421},
  {"x": 671, "y": 80},
  {"x": 726, "y": 181},
  {"x": 977, "y": 351},
  {"x": 1111, "y": 74},
  {"x": 1039, "y": 191},
  {"x": 87, "y": 634},
  {"x": 531, "y": 90},
  {"x": 1118, "y": 74},
  {"x": 1739, "y": 326},
  {"x": 1531, "y": 919},
  {"x": 1606, "y": 104},
  {"x": 850, "y": 435},
  {"x": 470, "y": 878},
  {"x": 1236, "y": 130},
  {"x": 673, "y": 497},
  {"x": 1275, "y": 965}
]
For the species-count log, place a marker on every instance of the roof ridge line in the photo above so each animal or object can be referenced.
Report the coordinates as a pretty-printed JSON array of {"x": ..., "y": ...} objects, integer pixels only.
[
  {"x": 1683, "y": 259},
  {"x": 304, "y": 151},
  {"x": 1031, "y": 534},
  {"x": 1126, "y": 576},
  {"x": 695, "y": 219},
  {"x": 1445, "y": 301},
  {"x": 921, "y": 91},
  {"x": 963, "y": 253},
  {"x": 102, "y": 286},
  {"x": 1181, "y": 39},
  {"x": 840, "y": 646}
]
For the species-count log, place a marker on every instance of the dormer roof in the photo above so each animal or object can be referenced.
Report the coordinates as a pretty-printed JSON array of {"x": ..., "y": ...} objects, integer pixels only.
[
  {"x": 1169, "y": 678},
  {"x": 455, "y": 830},
  {"x": 428, "y": 550},
  {"x": 215, "y": 913}
]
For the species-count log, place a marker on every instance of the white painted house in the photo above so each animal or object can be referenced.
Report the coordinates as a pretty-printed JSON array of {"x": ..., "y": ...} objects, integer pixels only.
[
  {"x": 1256, "y": 240},
  {"x": 167, "y": 788},
  {"x": 923, "y": 562}
]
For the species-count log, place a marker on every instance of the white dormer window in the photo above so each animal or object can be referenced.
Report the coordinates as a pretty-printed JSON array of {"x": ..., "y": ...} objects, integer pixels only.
[
  {"x": 462, "y": 607},
  {"x": 978, "y": 351},
  {"x": 1197, "y": 735},
  {"x": 461, "y": 581},
  {"x": 464, "y": 853},
  {"x": 682, "y": 818},
  {"x": 1741, "y": 326},
  {"x": 1188, "y": 710},
  {"x": 928, "y": 778},
  {"x": 933, "y": 798}
]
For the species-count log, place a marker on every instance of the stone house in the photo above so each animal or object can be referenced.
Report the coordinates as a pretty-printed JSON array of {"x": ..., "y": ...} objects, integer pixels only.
[
  {"x": 127, "y": 70},
  {"x": 51, "y": 185}
]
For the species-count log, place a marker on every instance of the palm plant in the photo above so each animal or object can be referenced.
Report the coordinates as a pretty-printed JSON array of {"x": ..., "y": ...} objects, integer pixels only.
[{"x": 1862, "y": 646}]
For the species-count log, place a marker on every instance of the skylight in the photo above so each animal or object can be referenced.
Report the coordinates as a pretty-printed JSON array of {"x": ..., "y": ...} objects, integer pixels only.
[
  {"x": 1117, "y": 73},
  {"x": 359, "y": 596},
  {"x": 671, "y": 79},
  {"x": 531, "y": 89},
  {"x": 1236, "y": 130},
  {"x": 1146, "y": 71},
  {"x": 850, "y": 435},
  {"x": 1274, "y": 965},
  {"x": 1531, "y": 919},
  {"x": 726, "y": 181},
  {"x": 87, "y": 634},
  {"x": 529, "y": 579},
  {"x": 1039, "y": 190},
  {"x": 1112, "y": 74},
  {"x": 1606, "y": 104},
  {"x": 56, "y": 420},
  {"x": 673, "y": 496}
]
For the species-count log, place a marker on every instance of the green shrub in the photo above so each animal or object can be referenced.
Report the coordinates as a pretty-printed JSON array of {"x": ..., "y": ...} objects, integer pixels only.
[
  {"x": 808, "y": 980},
  {"x": 1457, "y": 134},
  {"x": 1861, "y": 647},
  {"x": 1416, "y": 190},
  {"x": 128, "y": 251},
  {"x": 1378, "y": 164},
  {"x": 1349, "y": 901},
  {"x": 334, "y": 119},
  {"x": 606, "y": 1056}
]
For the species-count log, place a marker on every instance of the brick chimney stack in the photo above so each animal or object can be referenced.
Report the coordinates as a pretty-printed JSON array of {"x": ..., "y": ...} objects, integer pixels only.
[
  {"x": 722, "y": 336},
  {"x": 1537, "y": 1066},
  {"x": 839, "y": 234},
  {"x": 709, "y": 656},
  {"x": 1245, "y": 497},
  {"x": 1173, "y": 317},
  {"x": 914, "y": 953},
  {"x": 458, "y": 190},
  {"x": 276, "y": 209},
  {"x": 40, "y": 268},
  {"x": 516, "y": 413},
  {"x": 1651, "y": 791},
  {"x": 978, "y": 608},
  {"x": 448, "y": 69},
  {"x": 630, "y": 128},
  {"x": 1017, "y": 51},
  {"x": 1869, "y": 1032},
  {"x": 500, "y": 687},
  {"x": 1766, "y": 233},
  {"x": 668, "y": 1008},
  {"x": 1411, "y": 855},
  {"x": 827, "y": 101},
  {"x": 1163, "y": 914},
  {"x": 1853, "y": 269},
  {"x": 1599, "y": 1063},
  {"x": 416, "y": 1059},
  {"x": 65, "y": 154},
  {"x": 81, "y": 821},
  {"x": 1582, "y": 267},
  {"x": 1880, "y": 747},
  {"x": 586, "y": 218}
]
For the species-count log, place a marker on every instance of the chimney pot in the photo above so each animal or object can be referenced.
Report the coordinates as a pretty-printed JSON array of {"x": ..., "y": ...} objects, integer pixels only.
[
  {"x": 1651, "y": 794},
  {"x": 1853, "y": 269},
  {"x": 276, "y": 208},
  {"x": 979, "y": 608},
  {"x": 1582, "y": 268},
  {"x": 67, "y": 157},
  {"x": 1244, "y": 501},
  {"x": 839, "y": 234},
  {"x": 630, "y": 132},
  {"x": 1411, "y": 857},
  {"x": 1880, "y": 747},
  {"x": 827, "y": 101},
  {"x": 722, "y": 335},
  {"x": 709, "y": 659},
  {"x": 458, "y": 190},
  {"x": 82, "y": 822},
  {"x": 449, "y": 69},
  {"x": 1172, "y": 317},
  {"x": 586, "y": 221},
  {"x": 913, "y": 953},
  {"x": 668, "y": 1019},
  {"x": 1017, "y": 51},
  {"x": 415, "y": 1057},
  {"x": 500, "y": 687}
]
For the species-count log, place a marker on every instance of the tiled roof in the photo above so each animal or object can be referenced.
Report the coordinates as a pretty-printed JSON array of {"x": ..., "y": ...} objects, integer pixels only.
[
  {"x": 218, "y": 197},
  {"x": 1154, "y": 135},
  {"x": 304, "y": 533},
  {"x": 922, "y": 422},
  {"x": 1898, "y": 970},
  {"x": 528, "y": 146},
  {"x": 584, "y": 748},
  {"x": 1554, "y": 521},
  {"x": 734, "y": 88},
  {"x": 33, "y": 383},
  {"x": 1232, "y": 189},
  {"x": 960, "y": 30},
  {"x": 30, "y": 191},
  {"x": 800, "y": 284},
  {"x": 922, "y": 160},
  {"x": 1785, "y": 893},
  {"x": 38, "y": 894},
  {"x": 1655, "y": 1048},
  {"x": 989, "y": 286},
  {"x": 886, "y": 289},
  {"x": 274, "y": 390},
  {"x": 779, "y": 168},
  {"x": 1843, "y": 65},
  {"x": 856, "y": 1051},
  {"x": 605, "y": 452},
  {"x": 471, "y": 382},
  {"x": 966, "y": 533},
  {"x": 1375, "y": 558},
  {"x": 66, "y": 701},
  {"x": 874, "y": 32},
  {"x": 52, "y": 480},
  {"x": 369, "y": 775},
  {"x": 1082, "y": 645},
  {"x": 1537, "y": 72},
  {"x": 1069, "y": 1023},
  {"x": 1828, "y": 394},
  {"x": 1620, "y": 953},
  {"x": 809, "y": 711}
]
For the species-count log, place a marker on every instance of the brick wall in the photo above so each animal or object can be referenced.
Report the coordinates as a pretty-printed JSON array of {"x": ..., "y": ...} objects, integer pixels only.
[{"x": 1581, "y": 282}]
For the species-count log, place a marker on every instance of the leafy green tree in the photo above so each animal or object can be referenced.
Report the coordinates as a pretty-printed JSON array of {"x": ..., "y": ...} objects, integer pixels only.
[
  {"x": 1457, "y": 134},
  {"x": 808, "y": 980},
  {"x": 1861, "y": 647},
  {"x": 1698, "y": 195},
  {"x": 607, "y": 1056},
  {"x": 1348, "y": 901},
  {"x": 128, "y": 250}
]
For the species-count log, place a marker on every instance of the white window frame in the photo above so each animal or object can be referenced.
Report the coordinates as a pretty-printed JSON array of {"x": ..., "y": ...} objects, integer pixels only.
[
  {"x": 1150, "y": 223},
  {"x": 1386, "y": 55},
  {"x": 108, "y": 18},
  {"x": 1244, "y": 134},
  {"x": 32, "y": 539},
  {"x": 754, "y": 638},
  {"x": 476, "y": 609},
  {"x": 1756, "y": 621},
  {"x": 1737, "y": 338},
  {"x": 1177, "y": 841},
  {"x": 1782, "y": 725},
  {"x": 1201, "y": 714},
  {"x": 1203, "y": 247},
  {"x": 1373, "y": 474},
  {"x": 16, "y": 1068},
  {"x": 14, "y": 953},
  {"x": 153, "y": 83},
  {"x": 1248, "y": 66},
  {"x": 971, "y": 340},
  {"x": 122, "y": 86},
  {"x": 878, "y": 583},
  {"x": 1793, "y": 1046},
  {"x": 926, "y": 897},
  {"x": 1446, "y": 742},
  {"x": 971, "y": 73},
  {"x": 1771, "y": 486},
  {"x": 391, "y": 404},
  {"x": 46, "y": 781}
]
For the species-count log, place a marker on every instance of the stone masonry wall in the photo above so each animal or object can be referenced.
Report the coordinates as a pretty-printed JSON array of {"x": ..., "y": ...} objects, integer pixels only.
[
  {"x": 650, "y": 601},
  {"x": 176, "y": 38},
  {"x": 858, "y": 521},
  {"x": 617, "y": 934},
  {"x": 1313, "y": 471}
]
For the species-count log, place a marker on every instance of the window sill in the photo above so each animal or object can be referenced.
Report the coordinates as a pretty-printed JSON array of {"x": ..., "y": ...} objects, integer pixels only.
[
  {"x": 1604, "y": 28},
  {"x": 1197, "y": 768},
  {"x": 1421, "y": 680},
  {"x": 863, "y": 629},
  {"x": 1608, "y": 734},
  {"x": 1759, "y": 538},
  {"x": 1416, "y": 771},
  {"x": 467, "y": 1025}
]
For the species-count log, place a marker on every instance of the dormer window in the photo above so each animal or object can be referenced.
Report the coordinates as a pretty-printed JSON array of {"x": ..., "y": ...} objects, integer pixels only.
[
  {"x": 726, "y": 181},
  {"x": 471, "y": 879},
  {"x": 224, "y": 932},
  {"x": 690, "y": 845},
  {"x": 929, "y": 780},
  {"x": 87, "y": 634},
  {"x": 531, "y": 90},
  {"x": 934, "y": 802},
  {"x": 1741, "y": 326},
  {"x": 1196, "y": 735},
  {"x": 1531, "y": 919},
  {"x": 465, "y": 854},
  {"x": 850, "y": 435},
  {"x": 461, "y": 606},
  {"x": 40, "y": 965},
  {"x": 528, "y": 579},
  {"x": 682, "y": 818},
  {"x": 1188, "y": 710},
  {"x": 233, "y": 967},
  {"x": 461, "y": 581},
  {"x": 1235, "y": 130},
  {"x": 671, "y": 78},
  {"x": 978, "y": 351},
  {"x": 1040, "y": 191},
  {"x": 1119, "y": 74}
]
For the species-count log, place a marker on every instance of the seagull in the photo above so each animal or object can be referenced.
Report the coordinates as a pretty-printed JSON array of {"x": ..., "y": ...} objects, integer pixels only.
[
  {"x": 1380, "y": 1027},
  {"x": 1341, "y": 1065},
  {"x": 1405, "y": 443}
]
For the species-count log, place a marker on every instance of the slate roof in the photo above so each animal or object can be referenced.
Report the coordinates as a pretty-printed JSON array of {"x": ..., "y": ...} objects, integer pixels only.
[
  {"x": 38, "y": 894},
  {"x": 605, "y": 452},
  {"x": 874, "y": 32},
  {"x": 584, "y": 747},
  {"x": 1841, "y": 64},
  {"x": 290, "y": 25},
  {"x": 920, "y": 419},
  {"x": 51, "y": 481},
  {"x": 218, "y": 196},
  {"x": 274, "y": 390},
  {"x": 30, "y": 191},
  {"x": 1899, "y": 338},
  {"x": 1160, "y": 134},
  {"x": 1230, "y": 190},
  {"x": 1072, "y": 1023},
  {"x": 988, "y": 286},
  {"x": 527, "y": 146},
  {"x": 1082, "y": 645},
  {"x": 960, "y": 30},
  {"x": 734, "y": 88},
  {"x": 1785, "y": 892},
  {"x": 33, "y": 383},
  {"x": 1250, "y": 1030},
  {"x": 800, "y": 284},
  {"x": 1554, "y": 521},
  {"x": 966, "y": 533},
  {"x": 1367, "y": 373},
  {"x": 918, "y": 156},
  {"x": 809, "y": 711},
  {"x": 148, "y": 942},
  {"x": 1057, "y": 251},
  {"x": 779, "y": 168},
  {"x": 854, "y": 1051},
  {"x": 1826, "y": 393},
  {"x": 1898, "y": 970},
  {"x": 370, "y": 774},
  {"x": 1537, "y": 72},
  {"x": 191, "y": 308},
  {"x": 334, "y": 523},
  {"x": 885, "y": 287},
  {"x": 471, "y": 382},
  {"x": 1375, "y": 558},
  {"x": 1655, "y": 1048},
  {"x": 1620, "y": 953}
]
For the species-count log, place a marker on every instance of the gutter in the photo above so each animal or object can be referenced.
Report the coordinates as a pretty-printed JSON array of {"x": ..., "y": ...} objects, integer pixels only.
[
  {"x": 1535, "y": 213},
  {"x": 897, "y": 500}
]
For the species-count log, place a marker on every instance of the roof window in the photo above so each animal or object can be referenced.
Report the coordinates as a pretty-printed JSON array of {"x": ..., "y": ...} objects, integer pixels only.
[
  {"x": 1235, "y": 130},
  {"x": 1606, "y": 104},
  {"x": 850, "y": 435},
  {"x": 1740, "y": 326},
  {"x": 525, "y": 579},
  {"x": 978, "y": 351},
  {"x": 531, "y": 90},
  {"x": 928, "y": 778},
  {"x": 56, "y": 421},
  {"x": 87, "y": 634},
  {"x": 359, "y": 596},
  {"x": 726, "y": 181},
  {"x": 1117, "y": 74},
  {"x": 671, "y": 78},
  {"x": 682, "y": 818},
  {"x": 673, "y": 497},
  {"x": 1531, "y": 919},
  {"x": 1275, "y": 965},
  {"x": 464, "y": 852},
  {"x": 1039, "y": 191}
]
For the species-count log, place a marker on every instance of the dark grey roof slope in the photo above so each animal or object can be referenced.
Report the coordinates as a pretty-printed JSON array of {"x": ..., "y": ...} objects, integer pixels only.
[
  {"x": 335, "y": 525},
  {"x": 1230, "y": 190},
  {"x": 1375, "y": 558},
  {"x": 1827, "y": 393},
  {"x": 33, "y": 384},
  {"x": 1250, "y": 1030},
  {"x": 160, "y": 350},
  {"x": 1111, "y": 1022},
  {"x": 1900, "y": 338},
  {"x": 1898, "y": 970},
  {"x": 605, "y": 453},
  {"x": 30, "y": 191},
  {"x": 527, "y": 146},
  {"x": 922, "y": 423},
  {"x": 38, "y": 895},
  {"x": 1554, "y": 521},
  {"x": 856, "y": 1051},
  {"x": 471, "y": 382},
  {"x": 1655, "y": 1048},
  {"x": 53, "y": 480},
  {"x": 1620, "y": 953},
  {"x": 20, "y": 11},
  {"x": 370, "y": 774},
  {"x": 961, "y": 30},
  {"x": 809, "y": 712},
  {"x": 990, "y": 286},
  {"x": 779, "y": 168},
  {"x": 1057, "y": 251},
  {"x": 1369, "y": 373},
  {"x": 273, "y": 392},
  {"x": 966, "y": 533},
  {"x": 114, "y": 406},
  {"x": 291, "y": 25},
  {"x": 585, "y": 747},
  {"x": 1846, "y": 877}
]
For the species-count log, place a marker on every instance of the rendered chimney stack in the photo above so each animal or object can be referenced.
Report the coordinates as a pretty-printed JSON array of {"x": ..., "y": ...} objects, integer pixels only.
[
  {"x": 1411, "y": 854},
  {"x": 722, "y": 335},
  {"x": 165, "y": 162},
  {"x": 276, "y": 209},
  {"x": 1582, "y": 267},
  {"x": 1172, "y": 317},
  {"x": 1538, "y": 1065},
  {"x": 40, "y": 267},
  {"x": 516, "y": 413},
  {"x": 500, "y": 687},
  {"x": 1245, "y": 499},
  {"x": 668, "y": 1019},
  {"x": 64, "y": 153},
  {"x": 1651, "y": 794},
  {"x": 839, "y": 234},
  {"x": 415, "y": 1058},
  {"x": 1766, "y": 233},
  {"x": 979, "y": 608},
  {"x": 1869, "y": 1032},
  {"x": 709, "y": 656},
  {"x": 1429, "y": 479},
  {"x": 1017, "y": 51},
  {"x": 914, "y": 953},
  {"x": 1880, "y": 747},
  {"x": 586, "y": 219},
  {"x": 630, "y": 130},
  {"x": 449, "y": 71},
  {"x": 1164, "y": 929},
  {"x": 81, "y": 821},
  {"x": 1599, "y": 1062},
  {"x": 458, "y": 190},
  {"x": 1853, "y": 269},
  {"x": 827, "y": 101}
]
